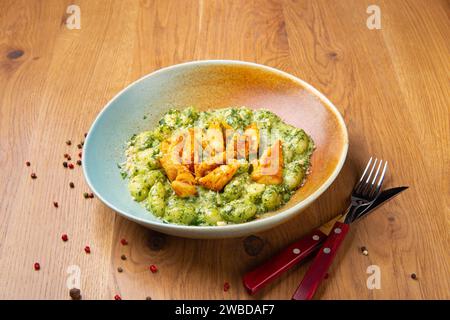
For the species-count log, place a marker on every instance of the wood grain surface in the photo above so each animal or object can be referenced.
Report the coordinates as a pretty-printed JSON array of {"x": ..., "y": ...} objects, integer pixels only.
[{"x": 391, "y": 85}]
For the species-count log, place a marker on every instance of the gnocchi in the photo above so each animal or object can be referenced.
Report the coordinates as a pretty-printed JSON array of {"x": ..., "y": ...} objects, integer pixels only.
[{"x": 216, "y": 167}]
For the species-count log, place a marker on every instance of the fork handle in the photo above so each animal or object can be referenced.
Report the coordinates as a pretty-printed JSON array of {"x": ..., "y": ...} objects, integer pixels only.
[
  {"x": 321, "y": 263},
  {"x": 259, "y": 277}
]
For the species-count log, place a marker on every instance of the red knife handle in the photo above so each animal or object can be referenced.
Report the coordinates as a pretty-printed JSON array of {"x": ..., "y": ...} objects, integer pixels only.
[
  {"x": 321, "y": 263},
  {"x": 283, "y": 261}
]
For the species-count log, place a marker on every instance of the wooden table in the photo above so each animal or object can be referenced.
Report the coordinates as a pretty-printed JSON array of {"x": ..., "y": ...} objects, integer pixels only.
[{"x": 391, "y": 85}]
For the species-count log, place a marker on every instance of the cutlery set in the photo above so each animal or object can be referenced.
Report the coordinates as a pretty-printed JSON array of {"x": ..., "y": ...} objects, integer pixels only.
[{"x": 326, "y": 240}]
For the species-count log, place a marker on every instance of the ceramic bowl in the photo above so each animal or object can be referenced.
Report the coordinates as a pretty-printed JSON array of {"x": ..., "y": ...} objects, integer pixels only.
[{"x": 212, "y": 84}]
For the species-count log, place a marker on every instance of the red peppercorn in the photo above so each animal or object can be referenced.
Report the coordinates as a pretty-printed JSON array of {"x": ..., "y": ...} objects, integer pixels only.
[
  {"x": 124, "y": 242},
  {"x": 87, "y": 249},
  {"x": 33, "y": 175},
  {"x": 37, "y": 266},
  {"x": 55, "y": 204},
  {"x": 117, "y": 297},
  {"x": 91, "y": 195},
  {"x": 64, "y": 237},
  {"x": 226, "y": 286},
  {"x": 28, "y": 163},
  {"x": 153, "y": 268},
  {"x": 71, "y": 166},
  {"x": 66, "y": 155}
]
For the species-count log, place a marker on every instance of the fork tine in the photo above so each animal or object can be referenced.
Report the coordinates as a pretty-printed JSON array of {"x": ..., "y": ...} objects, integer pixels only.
[
  {"x": 376, "y": 173},
  {"x": 371, "y": 170},
  {"x": 380, "y": 181},
  {"x": 372, "y": 186},
  {"x": 360, "y": 182},
  {"x": 365, "y": 170},
  {"x": 365, "y": 184},
  {"x": 382, "y": 174}
]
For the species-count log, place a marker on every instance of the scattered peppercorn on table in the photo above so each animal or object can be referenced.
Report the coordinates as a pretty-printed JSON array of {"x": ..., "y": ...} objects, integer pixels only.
[{"x": 390, "y": 84}]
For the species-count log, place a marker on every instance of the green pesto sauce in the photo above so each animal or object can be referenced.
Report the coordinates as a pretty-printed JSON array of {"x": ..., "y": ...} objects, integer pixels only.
[{"x": 242, "y": 199}]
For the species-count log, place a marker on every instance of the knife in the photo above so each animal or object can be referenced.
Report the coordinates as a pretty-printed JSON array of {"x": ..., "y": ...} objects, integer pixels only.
[{"x": 296, "y": 252}]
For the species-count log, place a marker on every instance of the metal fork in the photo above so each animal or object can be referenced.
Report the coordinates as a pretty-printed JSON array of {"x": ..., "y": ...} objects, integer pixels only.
[{"x": 364, "y": 194}]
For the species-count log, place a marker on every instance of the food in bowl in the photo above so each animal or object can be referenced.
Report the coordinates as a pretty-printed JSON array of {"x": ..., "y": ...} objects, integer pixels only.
[{"x": 216, "y": 167}]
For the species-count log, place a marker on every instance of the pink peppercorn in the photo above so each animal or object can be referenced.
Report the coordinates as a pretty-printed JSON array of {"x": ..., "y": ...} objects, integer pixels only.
[{"x": 153, "y": 268}]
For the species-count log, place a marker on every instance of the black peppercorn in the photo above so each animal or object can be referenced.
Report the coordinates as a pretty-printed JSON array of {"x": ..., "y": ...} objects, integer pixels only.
[{"x": 75, "y": 294}]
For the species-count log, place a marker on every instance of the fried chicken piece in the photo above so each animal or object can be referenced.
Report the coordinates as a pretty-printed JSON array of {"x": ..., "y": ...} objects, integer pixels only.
[
  {"x": 184, "y": 183},
  {"x": 269, "y": 168},
  {"x": 219, "y": 177},
  {"x": 209, "y": 164},
  {"x": 252, "y": 141},
  {"x": 213, "y": 141},
  {"x": 170, "y": 167},
  {"x": 172, "y": 149},
  {"x": 191, "y": 148}
]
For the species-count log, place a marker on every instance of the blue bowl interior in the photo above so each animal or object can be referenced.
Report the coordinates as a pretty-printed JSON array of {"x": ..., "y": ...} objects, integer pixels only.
[{"x": 106, "y": 142}]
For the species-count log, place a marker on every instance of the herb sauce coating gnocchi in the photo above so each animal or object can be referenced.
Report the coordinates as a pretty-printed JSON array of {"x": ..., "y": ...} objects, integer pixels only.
[{"x": 216, "y": 167}]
